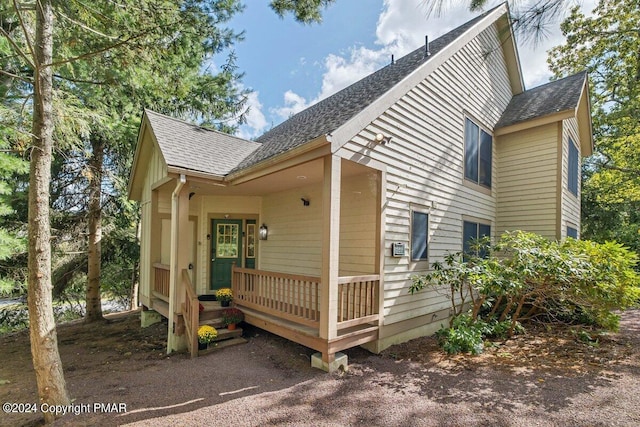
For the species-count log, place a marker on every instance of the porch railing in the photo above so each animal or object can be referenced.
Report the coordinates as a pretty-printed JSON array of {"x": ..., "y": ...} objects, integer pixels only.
[
  {"x": 161, "y": 281},
  {"x": 358, "y": 300},
  {"x": 191, "y": 314},
  {"x": 297, "y": 298},
  {"x": 288, "y": 296}
]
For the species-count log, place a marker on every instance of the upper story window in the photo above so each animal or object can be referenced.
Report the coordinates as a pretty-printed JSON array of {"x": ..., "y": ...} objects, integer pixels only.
[
  {"x": 574, "y": 168},
  {"x": 419, "y": 236},
  {"x": 478, "y": 150}
]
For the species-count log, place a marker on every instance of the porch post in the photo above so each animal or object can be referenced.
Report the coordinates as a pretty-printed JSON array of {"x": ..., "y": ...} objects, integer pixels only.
[
  {"x": 330, "y": 250},
  {"x": 179, "y": 259}
]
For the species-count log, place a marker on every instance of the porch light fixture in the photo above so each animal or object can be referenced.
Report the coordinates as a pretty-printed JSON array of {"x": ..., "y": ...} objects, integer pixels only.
[
  {"x": 263, "y": 233},
  {"x": 381, "y": 139}
]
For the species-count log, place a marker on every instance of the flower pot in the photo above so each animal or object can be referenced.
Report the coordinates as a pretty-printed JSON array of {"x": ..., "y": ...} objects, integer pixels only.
[
  {"x": 225, "y": 303},
  {"x": 202, "y": 345},
  {"x": 231, "y": 326}
]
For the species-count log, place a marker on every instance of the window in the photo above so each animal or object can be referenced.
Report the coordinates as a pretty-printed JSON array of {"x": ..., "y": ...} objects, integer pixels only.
[
  {"x": 573, "y": 168},
  {"x": 419, "y": 235},
  {"x": 477, "y": 154},
  {"x": 572, "y": 232},
  {"x": 471, "y": 232}
]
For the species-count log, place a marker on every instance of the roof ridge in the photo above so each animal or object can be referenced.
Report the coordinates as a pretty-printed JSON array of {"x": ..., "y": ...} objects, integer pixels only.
[
  {"x": 582, "y": 73},
  {"x": 329, "y": 114}
]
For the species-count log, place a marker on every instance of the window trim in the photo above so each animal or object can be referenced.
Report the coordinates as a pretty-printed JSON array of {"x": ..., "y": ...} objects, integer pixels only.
[
  {"x": 412, "y": 229},
  {"x": 469, "y": 181},
  {"x": 478, "y": 222}
]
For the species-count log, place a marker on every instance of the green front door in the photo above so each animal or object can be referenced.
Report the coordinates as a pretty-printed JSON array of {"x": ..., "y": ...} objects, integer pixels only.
[{"x": 226, "y": 250}]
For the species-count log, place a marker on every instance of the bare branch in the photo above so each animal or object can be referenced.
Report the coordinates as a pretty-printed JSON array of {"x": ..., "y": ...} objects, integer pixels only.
[
  {"x": 26, "y": 34},
  {"x": 16, "y": 47},
  {"x": 15, "y": 76}
]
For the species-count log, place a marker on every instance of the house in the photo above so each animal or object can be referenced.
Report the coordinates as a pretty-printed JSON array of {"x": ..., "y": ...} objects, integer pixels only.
[{"x": 319, "y": 225}]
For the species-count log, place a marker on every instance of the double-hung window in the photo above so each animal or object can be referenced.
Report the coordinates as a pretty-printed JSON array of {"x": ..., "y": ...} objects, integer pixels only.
[
  {"x": 573, "y": 167},
  {"x": 471, "y": 233},
  {"x": 478, "y": 147}
]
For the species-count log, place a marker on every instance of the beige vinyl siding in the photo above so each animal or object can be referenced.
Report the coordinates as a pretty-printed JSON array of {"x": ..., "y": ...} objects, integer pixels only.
[
  {"x": 424, "y": 162},
  {"x": 295, "y": 231},
  {"x": 527, "y": 187},
  {"x": 570, "y": 203},
  {"x": 155, "y": 171},
  {"x": 358, "y": 224}
]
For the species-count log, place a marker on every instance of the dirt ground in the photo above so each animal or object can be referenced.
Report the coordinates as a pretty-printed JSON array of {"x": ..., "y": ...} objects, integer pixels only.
[{"x": 119, "y": 374}]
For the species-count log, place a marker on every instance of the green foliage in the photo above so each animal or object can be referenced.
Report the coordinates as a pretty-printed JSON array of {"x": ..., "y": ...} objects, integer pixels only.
[
  {"x": 606, "y": 45},
  {"x": 529, "y": 276},
  {"x": 305, "y": 11},
  {"x": 467, "y": 335}
]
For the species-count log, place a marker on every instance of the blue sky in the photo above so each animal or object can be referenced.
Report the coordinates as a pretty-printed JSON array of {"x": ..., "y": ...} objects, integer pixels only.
[{"x": 289, "y": 66}]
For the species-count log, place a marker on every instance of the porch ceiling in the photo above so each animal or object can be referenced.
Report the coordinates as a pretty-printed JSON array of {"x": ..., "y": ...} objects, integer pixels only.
[{"x": 293, "y": 177}]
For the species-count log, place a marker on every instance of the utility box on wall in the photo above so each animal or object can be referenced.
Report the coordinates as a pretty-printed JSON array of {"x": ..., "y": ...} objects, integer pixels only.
[{"x": 397, "y": 249}]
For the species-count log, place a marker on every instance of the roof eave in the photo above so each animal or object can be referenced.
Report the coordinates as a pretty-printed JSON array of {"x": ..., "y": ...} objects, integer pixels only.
[
  {"x": 177, "y": 170},
  {"x": 583, "y": 115},
  {"x": 534, "y": 122},
  {"x": 276, "y": 162}
]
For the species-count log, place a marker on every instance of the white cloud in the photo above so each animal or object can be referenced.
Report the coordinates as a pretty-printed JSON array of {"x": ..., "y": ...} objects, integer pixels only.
[
  {"x": 401, "y": 28},
  {"x": 256, "y": 121},
  {"x": 293, "y": 103}
]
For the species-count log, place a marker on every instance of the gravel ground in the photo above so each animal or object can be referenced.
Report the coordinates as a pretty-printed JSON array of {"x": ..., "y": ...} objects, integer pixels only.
[{"x": 545, "y": 378}]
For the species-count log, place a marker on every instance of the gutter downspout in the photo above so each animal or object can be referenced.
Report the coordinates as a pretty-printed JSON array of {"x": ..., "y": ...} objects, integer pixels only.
[{"x": 173, "y": 265}]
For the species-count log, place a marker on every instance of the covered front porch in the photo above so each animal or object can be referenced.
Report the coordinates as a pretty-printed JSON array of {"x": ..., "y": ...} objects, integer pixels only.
[{"x": 314, "y": 279}]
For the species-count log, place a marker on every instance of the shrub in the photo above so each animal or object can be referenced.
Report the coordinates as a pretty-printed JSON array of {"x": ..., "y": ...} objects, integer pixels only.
[{"x": 528, "y": 276}]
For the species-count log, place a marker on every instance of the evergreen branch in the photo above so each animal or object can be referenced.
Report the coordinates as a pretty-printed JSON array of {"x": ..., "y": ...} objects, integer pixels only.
[
  {"x": 16, "y": 47},
  {"x": 15, "y": 76},
  {"x": 81, "y": 25},
  {"x": 69, "y": 79}
]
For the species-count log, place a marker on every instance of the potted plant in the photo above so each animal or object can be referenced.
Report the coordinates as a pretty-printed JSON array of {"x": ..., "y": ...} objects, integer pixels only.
[
  {"x": 231, "y": 317},
  {"x": 225, "y": 296},
  {"x": 206, "y": 334}
]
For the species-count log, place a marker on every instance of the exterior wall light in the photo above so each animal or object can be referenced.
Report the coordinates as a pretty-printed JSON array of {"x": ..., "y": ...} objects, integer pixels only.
[{"x": 263, "y": 233}]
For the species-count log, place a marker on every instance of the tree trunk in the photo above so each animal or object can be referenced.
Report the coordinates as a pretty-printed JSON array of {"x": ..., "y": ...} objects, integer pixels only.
[
  {"x": 52, "y": 388},
  {"x": 94, "y": 300}
]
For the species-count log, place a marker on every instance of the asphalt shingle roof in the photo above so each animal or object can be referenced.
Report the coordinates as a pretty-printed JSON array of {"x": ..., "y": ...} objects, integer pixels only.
[
  {"x": 332, "y": 112},
  {"x": 550, "y": 98},
  {"x": 192, "y": 147}
]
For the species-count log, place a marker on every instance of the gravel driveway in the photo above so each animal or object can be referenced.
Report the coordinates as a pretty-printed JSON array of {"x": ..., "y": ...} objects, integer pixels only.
[{"x": 269, "y": 382}]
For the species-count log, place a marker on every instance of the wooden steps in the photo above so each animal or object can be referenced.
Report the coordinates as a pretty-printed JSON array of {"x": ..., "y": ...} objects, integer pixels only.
[{"x": 212, "y": 315}]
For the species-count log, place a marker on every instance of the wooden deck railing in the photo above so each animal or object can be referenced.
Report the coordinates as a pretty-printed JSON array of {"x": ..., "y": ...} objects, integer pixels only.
[
  {"x": 287, "y": 296},
  {"x": 161, "y": 281},
  {"x": 191, "y": 314},
  {"x": 358, "y": 300},
  {"x": 297, "y": 298}
]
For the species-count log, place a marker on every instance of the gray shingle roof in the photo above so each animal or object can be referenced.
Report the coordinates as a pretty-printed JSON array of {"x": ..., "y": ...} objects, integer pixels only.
[
  {"x": 550, "y": 98},
  {"x": 332, "y": 112},
  {"x": 192, "y": 147}
]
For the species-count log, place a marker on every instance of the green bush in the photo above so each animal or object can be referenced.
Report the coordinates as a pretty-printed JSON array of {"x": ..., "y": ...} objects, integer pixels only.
[{"x": 528, "y": 276}]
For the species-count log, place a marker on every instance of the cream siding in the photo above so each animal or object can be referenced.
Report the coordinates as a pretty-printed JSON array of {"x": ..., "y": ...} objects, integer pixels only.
[
  {"x": 155, "y": 171},
  {"x": 424, "y": 162},
  {"x": 295, "y": 231},
  {"x": 570, "y": 202},
  {"x": 527, "y": 181},
  {"x": 358, "y": 224}
]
